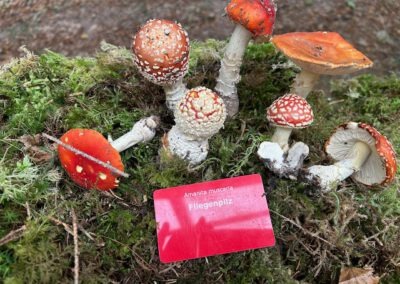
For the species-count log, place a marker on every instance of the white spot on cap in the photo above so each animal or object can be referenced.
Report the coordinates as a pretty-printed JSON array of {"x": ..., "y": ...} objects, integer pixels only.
[
  {"x": 102, "y": 176},
  {"x": 79, "y": 169}
]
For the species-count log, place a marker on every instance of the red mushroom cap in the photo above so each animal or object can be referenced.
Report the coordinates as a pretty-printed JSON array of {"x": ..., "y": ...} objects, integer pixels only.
[
  {"x": 290, "y": 111},
  {"x": 84, "y": 172},
  {"x": 161, "y": 51},
  {"x": 257, "y": 16},
  {"x": 385, "y": 151}
]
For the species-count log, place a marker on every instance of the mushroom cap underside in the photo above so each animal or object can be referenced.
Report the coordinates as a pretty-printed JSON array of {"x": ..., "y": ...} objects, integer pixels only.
[
  {"x": 325, "y": 53},
  {"x": 380, "y": 167},
  {"x": 84, "y": 172}
]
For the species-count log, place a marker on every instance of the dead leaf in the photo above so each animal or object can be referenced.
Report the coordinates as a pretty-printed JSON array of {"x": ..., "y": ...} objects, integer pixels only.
[
  {"x": 354, "y": 275},
  {"x": 35, "y": 153}
]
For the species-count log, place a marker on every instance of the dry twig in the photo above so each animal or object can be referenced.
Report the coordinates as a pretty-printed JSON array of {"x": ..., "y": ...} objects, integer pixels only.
[
  {"x": 83, "y": 154},
  {"x": 301, "y": 228},
  {"x": 13, "y": 235},
  {"x": 76, "y": 247}
]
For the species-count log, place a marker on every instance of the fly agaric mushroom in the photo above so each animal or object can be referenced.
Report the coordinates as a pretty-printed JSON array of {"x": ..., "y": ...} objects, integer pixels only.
[
  {"x": 161, "y": 54},
  {"x": 319, "y": 53},
  {"x": 286, "y": 113},
  {"x": 198, "y": 116},
  {"x": 362, "y": 153},
  {"x": 253, "y": 18},
  {"x": 85, "y": 154}
]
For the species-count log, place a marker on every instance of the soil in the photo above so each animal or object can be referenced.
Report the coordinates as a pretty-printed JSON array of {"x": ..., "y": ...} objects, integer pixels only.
[{"x": 76, "y": 27}]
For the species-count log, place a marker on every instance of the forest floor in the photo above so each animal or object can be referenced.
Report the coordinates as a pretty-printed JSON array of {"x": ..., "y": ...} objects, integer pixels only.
[
  {"x": 317, "y": 233},
  {"x": 79, "y": 84}
]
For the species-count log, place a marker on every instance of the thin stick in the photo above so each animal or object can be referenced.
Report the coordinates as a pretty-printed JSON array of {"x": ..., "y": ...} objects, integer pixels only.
[
  {"x": 301, "y": 228},
  {"x": 76, "y": 247},
  {"x": 58, "y": 222},
  {"x": 13, "y": 235},
  {"x": 83, "y": 154}
]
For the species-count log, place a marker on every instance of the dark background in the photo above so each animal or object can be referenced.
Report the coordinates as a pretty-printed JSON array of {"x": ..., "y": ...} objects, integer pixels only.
[{"x": 75, "y": 27}]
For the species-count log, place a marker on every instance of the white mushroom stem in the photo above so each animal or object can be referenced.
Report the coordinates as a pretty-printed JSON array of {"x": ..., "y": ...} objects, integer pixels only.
[
  {"x": 229, "y": 73},
  {"x": 174, "y": 93},
  {"x": 186, "y": 147},
  {"x": 142, "y": 131},
  {"x": 281, "y": 137},
  {"x": 304, "y": 83},
  {"x": 329, "y": 176},
  {"x": 283, "y": 165}
]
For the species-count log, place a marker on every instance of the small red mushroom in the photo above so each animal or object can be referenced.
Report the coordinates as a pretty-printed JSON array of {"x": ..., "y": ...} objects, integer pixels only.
[
  {"x": 84, "y": 172},
  {"x": 95, "y": 163},
  {"x": 161, "y": 54},
  {"x": 287, "y": 113},
  {"x": 361, "y": 152}
]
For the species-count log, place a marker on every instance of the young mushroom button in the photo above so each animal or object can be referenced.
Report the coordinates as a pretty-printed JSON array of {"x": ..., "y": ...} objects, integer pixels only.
[
  {"x": 199, "y": 115},
  {"x": 253, "y": 18},
  {"x": 319, "y": 53},
  {"x": 161, "y": 54},
  {"x": 361, "y": 152}
]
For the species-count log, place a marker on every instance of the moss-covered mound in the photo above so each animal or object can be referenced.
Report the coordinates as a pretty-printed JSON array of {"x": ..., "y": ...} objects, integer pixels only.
[{"x": 316, "y": 234}]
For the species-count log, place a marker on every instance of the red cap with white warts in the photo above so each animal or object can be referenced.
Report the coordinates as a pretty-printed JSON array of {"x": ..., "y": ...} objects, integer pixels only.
[
  {"x": 161, "y": 51},
  {"x": 84, "y": 172},
  {"x": 380, "y": 167},
  {"x": 257, "y": 16},
  {"x": 201, "y": 113},
  {"x": 290, "y": 111}
]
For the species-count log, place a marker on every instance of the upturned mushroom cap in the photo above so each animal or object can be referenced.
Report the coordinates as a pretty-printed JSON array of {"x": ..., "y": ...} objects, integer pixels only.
[
  {"x": 201, "y": 113},
  {"x": 84, "y": 172},
  {"x": 161, "y": 51},
  {"x": 257, "y": 16},
  {"x": 290, "y": 111},
  {"x": 325, "y": 53},
  {"x": 380, "y": 167}
]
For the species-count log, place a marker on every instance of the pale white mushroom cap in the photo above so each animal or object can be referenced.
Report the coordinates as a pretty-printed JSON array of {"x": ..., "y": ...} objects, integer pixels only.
[{"x": 200, "y": 114}]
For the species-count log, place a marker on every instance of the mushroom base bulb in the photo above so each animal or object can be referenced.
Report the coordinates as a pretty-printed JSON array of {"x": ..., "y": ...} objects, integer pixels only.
[
  {"x": 280, "y": 163},
  {"x": 193, "y": 151}
]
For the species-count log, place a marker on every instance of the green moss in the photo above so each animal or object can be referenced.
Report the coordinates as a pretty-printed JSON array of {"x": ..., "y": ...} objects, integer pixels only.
[{"x": 354, "y": 226}]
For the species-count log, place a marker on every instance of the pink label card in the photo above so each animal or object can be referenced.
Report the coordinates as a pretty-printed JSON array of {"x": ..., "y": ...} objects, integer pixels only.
[{"x": 212, "y": 218}]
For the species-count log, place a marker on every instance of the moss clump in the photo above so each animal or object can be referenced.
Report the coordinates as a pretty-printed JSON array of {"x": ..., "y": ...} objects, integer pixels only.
[{"x": 316, "y": 234}]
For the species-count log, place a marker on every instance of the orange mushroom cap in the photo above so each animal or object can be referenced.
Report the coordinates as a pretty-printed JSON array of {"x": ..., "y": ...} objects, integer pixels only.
[
  {"x": 84, "y": 172},
  {"x": 257, "y": 16},
  {"x": 326, "y": 53}
]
